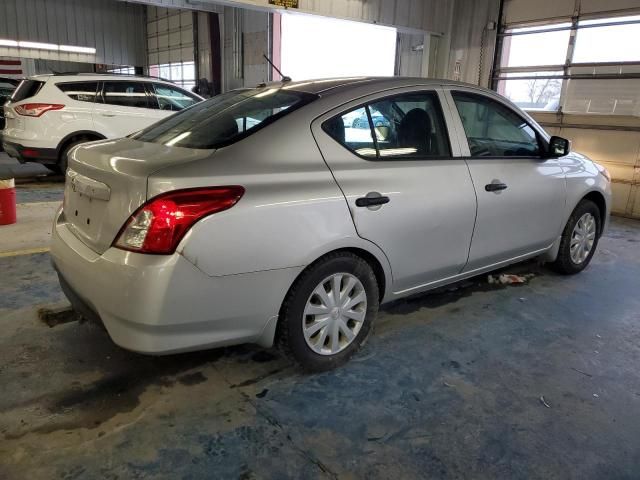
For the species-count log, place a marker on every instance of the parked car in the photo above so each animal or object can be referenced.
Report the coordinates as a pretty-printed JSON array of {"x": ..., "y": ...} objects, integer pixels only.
[
  {"x": 378, "y": 119},
  {"x": 7, "y": 86},
  {"x": 195, "y": 233},
  {"x": 50, "y": 114}
]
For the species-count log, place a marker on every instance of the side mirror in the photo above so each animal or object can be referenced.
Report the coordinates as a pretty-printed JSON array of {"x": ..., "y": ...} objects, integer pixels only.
[{"x": 558, "y": 147}]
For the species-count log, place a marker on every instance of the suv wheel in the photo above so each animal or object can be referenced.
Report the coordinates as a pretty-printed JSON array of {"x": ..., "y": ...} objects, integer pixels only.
[
  {"x": 579, "y": 239},
  {"x": 328, "y": 312},
  {"x": 62, "y": 165}
]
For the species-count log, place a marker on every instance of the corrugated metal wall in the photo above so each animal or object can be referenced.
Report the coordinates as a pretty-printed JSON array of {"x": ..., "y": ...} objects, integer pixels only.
[
  {"x": 472, "y": 43},
  {"x": 246, "y": 39},
  {"x": 114, "y": 29}
]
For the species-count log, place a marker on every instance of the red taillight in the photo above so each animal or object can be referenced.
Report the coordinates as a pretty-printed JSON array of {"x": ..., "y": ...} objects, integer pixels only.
[
  {"x": 36, "y": 109},
  {"x": 30, "y": 153},
  {"x": 159, "y": 225}
]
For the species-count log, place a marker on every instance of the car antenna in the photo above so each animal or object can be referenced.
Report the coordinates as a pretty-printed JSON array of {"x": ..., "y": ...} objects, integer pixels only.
[{"x": 284, "y": 77}]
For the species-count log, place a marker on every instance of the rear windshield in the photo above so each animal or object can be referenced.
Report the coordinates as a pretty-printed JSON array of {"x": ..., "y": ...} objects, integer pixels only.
[
  {"x": 225, "y": 119},
  {"x": 27, "y": 89}
]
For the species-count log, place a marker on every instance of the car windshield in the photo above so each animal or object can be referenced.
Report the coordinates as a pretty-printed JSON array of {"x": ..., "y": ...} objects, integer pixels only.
[{"x": 224, "y": 119}]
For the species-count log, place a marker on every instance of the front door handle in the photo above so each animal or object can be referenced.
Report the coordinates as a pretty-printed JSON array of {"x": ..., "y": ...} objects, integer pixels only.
[
  {"x": 372, "y": 201},
  {"x": 495, "y": 187},
  {"x": 105, "y": 114}
]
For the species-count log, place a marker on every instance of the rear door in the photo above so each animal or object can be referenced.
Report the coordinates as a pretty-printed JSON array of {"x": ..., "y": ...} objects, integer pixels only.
[
  {"x": 405, "y": 189},
  {"x": 123, "y": 107},
  {"x": 521, "y": 195}
]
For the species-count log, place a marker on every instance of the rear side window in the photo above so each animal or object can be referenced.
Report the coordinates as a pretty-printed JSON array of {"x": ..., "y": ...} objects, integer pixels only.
[
  {"x": 27, "y": 89},
  {"x": 126, "y": 94},
  {"x": 225, "y": 119},
  {"x": 493, "y": 129},
  {"x": 353, "y": 131},
  {"x": 80, "y": 91},
  {"x": 405, "y": 126},
  {"x": 172, "y": 99}
]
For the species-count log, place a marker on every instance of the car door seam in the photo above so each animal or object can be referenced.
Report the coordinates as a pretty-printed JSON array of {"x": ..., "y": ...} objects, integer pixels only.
[{"x": 353, "y": 220}]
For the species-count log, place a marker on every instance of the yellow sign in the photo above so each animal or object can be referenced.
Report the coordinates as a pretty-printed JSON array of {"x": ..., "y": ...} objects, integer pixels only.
[{"x": 285, "y": 3}]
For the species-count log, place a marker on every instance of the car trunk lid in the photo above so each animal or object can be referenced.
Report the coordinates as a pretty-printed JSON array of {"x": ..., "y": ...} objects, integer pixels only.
[{"x": 107, "y": 181}]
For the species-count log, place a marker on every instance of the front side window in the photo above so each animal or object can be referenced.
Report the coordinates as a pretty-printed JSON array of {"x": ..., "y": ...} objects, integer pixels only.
[
  {"x": 172, "y": 99},
  {"x": 225, "y": 119},
  {"x": 80, "y": 91},
  {"x": 405, "y": 126},
  {"x": 126, "y": 94},
  {"x": 493, "y": 129}
]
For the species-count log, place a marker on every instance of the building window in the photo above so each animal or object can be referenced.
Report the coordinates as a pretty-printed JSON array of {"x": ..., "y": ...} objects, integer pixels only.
[
  {"x": 542, "y": 69},
  {"x": 122, "y": 70},
  {"x": 180, "y": 73}
]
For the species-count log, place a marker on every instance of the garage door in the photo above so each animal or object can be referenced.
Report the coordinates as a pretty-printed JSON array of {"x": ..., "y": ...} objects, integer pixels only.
[{"x": 170, "y": 45}]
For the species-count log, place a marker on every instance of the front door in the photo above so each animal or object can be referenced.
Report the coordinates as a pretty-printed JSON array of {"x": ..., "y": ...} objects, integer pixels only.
[
  {"x": 521, "y": 195},
  {"x": 392, "y": 158}
]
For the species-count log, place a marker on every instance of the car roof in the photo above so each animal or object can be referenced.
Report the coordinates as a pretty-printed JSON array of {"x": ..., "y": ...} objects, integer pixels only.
[
  {"x": 66, "y": 77},
  {"x": 327, "y": 86}
]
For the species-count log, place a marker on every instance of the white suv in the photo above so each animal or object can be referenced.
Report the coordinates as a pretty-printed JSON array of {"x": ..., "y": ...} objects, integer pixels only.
[{"x": 47, "y": 115}]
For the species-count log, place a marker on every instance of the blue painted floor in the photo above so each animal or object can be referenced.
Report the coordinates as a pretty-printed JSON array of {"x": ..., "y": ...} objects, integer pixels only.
[{"x": 449, "y": 386}]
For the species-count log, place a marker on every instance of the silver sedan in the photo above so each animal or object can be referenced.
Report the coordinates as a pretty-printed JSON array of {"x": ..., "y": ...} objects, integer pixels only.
[{"x": 264, "y": 216}]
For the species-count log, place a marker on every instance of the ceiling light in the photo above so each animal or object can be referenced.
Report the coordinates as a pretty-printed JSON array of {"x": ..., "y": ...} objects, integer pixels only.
[
  {"x": 38, "y": 45},
  {"x": 73, "y": 48},
  {"x": 47, "y": 46}
]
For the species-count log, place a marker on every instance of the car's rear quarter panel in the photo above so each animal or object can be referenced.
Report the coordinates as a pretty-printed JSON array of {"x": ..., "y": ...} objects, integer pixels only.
[{"x": 292, "y": 212}]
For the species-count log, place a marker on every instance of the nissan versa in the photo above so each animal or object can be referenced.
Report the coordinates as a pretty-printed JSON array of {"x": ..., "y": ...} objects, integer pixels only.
[{"x": 263, "y": 216}]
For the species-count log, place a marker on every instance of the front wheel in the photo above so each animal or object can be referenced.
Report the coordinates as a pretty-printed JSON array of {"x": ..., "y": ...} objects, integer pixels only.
[
  {"x": 579, "y": 239},
  {"x": 328, "y": 312}
]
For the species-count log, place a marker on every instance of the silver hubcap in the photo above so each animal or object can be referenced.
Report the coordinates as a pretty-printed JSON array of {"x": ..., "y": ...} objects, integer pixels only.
[
  {"x": 334, "y": 314},
  {"x": 582, "y": 238}
]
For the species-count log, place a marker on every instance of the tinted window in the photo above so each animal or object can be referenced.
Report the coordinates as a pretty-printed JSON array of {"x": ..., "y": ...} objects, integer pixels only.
[
  {"x": 225, "y": 119},
  {"x": 493, "y": 129},
  {"x": 27, "y": 89},
  {"x": 405, "y": 126},
  {"x": 81, "y": 91},
  {"x": 127, "y": 94},
  {"x": 172, "y": 99}
]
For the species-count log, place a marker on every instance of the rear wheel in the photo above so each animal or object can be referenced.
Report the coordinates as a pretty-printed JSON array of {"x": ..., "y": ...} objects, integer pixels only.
[
  {"x": 328, "y": 312},
  {"x": 579, "y": 239},
  {"x": 62, "y": 165}
]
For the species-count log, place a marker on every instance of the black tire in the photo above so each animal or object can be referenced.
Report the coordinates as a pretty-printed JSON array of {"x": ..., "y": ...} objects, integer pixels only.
[
  {"x": 290, "y": 337},
  {"x": 564, "y": 264},
  {"x": 62, "y": 165}
]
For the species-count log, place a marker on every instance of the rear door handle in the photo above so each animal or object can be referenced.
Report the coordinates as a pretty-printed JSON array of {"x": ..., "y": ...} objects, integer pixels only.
[
  {"x": 495, "y": 187},
  {"x": 371, "y": 201}
]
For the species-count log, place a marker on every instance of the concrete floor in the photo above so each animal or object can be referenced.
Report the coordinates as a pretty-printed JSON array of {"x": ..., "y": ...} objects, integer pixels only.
[{"x": 449, "y": 386}]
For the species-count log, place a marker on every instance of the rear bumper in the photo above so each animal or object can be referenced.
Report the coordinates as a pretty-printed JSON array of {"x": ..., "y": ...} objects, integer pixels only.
[
  {"x": 158, "y": 304},
  {"x": 25, "y": 153}
]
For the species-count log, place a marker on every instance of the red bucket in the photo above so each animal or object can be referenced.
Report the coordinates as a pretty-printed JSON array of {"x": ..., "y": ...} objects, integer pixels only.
[{"x": 7, "y": 202}]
